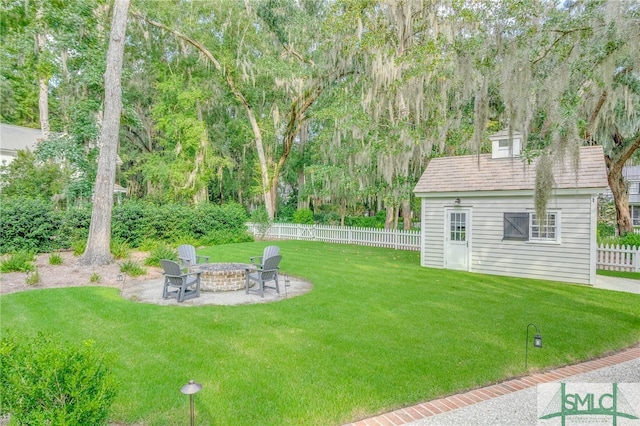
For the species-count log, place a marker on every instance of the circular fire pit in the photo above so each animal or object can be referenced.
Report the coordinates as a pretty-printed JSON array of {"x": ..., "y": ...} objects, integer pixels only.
[{"x": 223, "y": 276}]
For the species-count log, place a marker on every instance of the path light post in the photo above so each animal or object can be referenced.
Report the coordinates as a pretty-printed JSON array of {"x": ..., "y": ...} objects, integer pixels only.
[
  {"x": 537, "y": 343},
  {"x": 287, "y": 283},
  {"x": 121, "y": 278},
  {"x": 191, "y": 389}
]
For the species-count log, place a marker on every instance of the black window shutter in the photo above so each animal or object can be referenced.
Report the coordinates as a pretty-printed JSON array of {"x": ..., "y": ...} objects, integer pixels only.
[{"x": 516, "y": 226}]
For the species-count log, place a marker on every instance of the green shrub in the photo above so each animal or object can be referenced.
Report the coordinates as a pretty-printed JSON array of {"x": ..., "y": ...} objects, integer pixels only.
[
  {"x": 376, "y": 221},
  {"x": 128, "y": 221},
  {"x": 161, "y": 251},
  {"x": 630, "y": 239},
  {"x": 148, "y": 244},
  {"x": 74, "y": 226},
  {"x": 304, "y": 216},
  {"x": 180, "y": 239},
  {"x": 32, "y": 278},
  {"x": 55, "y": 259},
  {"x": 209, "y": 217},
  {"x": 95, "y": 278},
  {"x": 27, "y": 224},
  {"x": 226, "y": 236},
  {"x": 119, "y": 249},
  {"x": 326, "y": 218},
  {"x": 284, "y": 213},
  {"x": 606, "y": 230},
  {"x": 261, "y": 221},
  {"x": 79, "y": 247},
  {"x": 133, "y": 269},
  {"x": 34, "y": 225},
  {"x": 47, "y": 382},
  {"x": 20, "y": 261},
  {"x": 163, "y": 222}
]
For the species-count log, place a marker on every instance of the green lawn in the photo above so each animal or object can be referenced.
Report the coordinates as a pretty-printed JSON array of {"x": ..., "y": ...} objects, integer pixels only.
[{"x": 377, "y": 332}]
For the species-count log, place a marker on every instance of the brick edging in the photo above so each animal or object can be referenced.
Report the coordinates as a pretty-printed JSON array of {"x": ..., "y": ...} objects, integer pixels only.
[{"x": 453, "y": 402}]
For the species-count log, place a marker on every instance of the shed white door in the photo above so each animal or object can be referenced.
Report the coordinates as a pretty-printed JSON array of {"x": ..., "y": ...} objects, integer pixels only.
[{"x": 456, "y": 239}]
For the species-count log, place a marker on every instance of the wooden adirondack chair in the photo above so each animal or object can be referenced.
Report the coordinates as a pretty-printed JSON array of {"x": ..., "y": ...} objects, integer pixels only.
[
  {"x": 186, "y": 284},
  {"x": 188, "y": 257},
  {"x": 268, "y": 252},
  {"x": 268, "y": 271}
]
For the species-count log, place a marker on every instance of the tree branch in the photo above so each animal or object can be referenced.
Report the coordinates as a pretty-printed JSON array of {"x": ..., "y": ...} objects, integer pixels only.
[
  {"x": 594, "y": 115},
  {"x": 563, "y": 33},
  {"x": 288, "y": 48},
  {"x": 628, "y": 152},
  {"x": 202, "y": 50}
]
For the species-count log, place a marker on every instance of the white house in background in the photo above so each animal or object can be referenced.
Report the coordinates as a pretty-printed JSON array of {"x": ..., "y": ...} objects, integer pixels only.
[
  {"x": 16, "y": 138},
  {"x": 632, "y": 175},
  {"x": 478, "y": 214}
]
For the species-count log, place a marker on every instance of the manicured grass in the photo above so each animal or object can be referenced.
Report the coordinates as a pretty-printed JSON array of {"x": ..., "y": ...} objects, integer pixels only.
[
  {"x": 620, "y": 274},
  {"x": 377, "y": 332}
]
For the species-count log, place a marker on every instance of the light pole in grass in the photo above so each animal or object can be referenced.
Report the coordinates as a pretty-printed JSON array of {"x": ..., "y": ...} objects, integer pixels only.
[
  {"x": 537, "y": 343},
  {"x": 191, "y": 389}
]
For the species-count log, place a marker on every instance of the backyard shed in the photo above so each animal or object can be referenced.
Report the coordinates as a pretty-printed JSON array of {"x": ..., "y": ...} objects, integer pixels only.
[{"x": 478, "y": 214}]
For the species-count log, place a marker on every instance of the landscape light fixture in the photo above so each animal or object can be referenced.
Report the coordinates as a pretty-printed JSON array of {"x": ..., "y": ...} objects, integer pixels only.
[
  {"x": 121, "y": 279},
  {"x": 287, "y": 283},
  {"x": 537, "y": 343},
  {"x": 190, "y": 389}
]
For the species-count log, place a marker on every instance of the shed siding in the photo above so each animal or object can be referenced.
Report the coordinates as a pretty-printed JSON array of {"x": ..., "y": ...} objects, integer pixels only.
[
  {"x": 433, "y": 233},
  {"x": 569, "y": 261}
]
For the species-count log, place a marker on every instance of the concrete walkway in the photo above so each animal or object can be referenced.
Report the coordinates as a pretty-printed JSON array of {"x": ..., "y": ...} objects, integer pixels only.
[{"x": 617, "y": 284}]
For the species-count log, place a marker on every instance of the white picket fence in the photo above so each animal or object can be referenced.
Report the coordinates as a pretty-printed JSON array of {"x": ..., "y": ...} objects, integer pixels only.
[
  {"x": 375, "y": 237},
  {"x": 618, "y": 258},
  {"x": 612, "y": 258}
]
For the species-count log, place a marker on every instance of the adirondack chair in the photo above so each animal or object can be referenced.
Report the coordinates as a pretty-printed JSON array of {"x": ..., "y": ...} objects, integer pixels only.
[
  {"x": 268, "y": 252},
  {"x": 186, "y": 284},
  {"x": 268, "y": 271},
  {"x": 188, "y": 257}
]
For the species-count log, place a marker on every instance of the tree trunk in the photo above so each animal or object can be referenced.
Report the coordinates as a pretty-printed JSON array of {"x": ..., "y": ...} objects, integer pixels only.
[
  {"x": 407, "y": 220},
  {"x": 615, "y": 161},
  {"x": 303, "y": 202},
  {"x": 620, "y": 195},
  {"x": 43, "y": 81},
  {"x": 202, "y": 193},
  {"x": 295, "y": 120},
  {"x": 388, "y": 221},
  {"x": 43, "y": 103},
  {"x": 97, "y": 251}
]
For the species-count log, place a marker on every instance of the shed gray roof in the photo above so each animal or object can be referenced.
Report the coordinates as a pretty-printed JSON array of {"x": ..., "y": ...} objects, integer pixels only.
[
  {"x": 482, "y": 173},
  {"x": 14, "y": 138}
]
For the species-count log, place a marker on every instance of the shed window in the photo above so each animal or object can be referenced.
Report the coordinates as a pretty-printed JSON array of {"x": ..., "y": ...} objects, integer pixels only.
[
  {"x": 544, "y": 229},
  {"x": 525, "y": 226},
  {"x": 516, "y": 226}
]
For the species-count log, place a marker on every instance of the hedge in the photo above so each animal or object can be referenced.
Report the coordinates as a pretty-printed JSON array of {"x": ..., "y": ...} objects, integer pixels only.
[{"x": 35, "y": 225}]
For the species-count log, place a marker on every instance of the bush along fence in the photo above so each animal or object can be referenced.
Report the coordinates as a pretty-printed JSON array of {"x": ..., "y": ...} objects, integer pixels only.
[
  {"x": 613, "y": 258},
  {"x": 618, "y": 258},
  {"x": 375, "y": 237}
]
